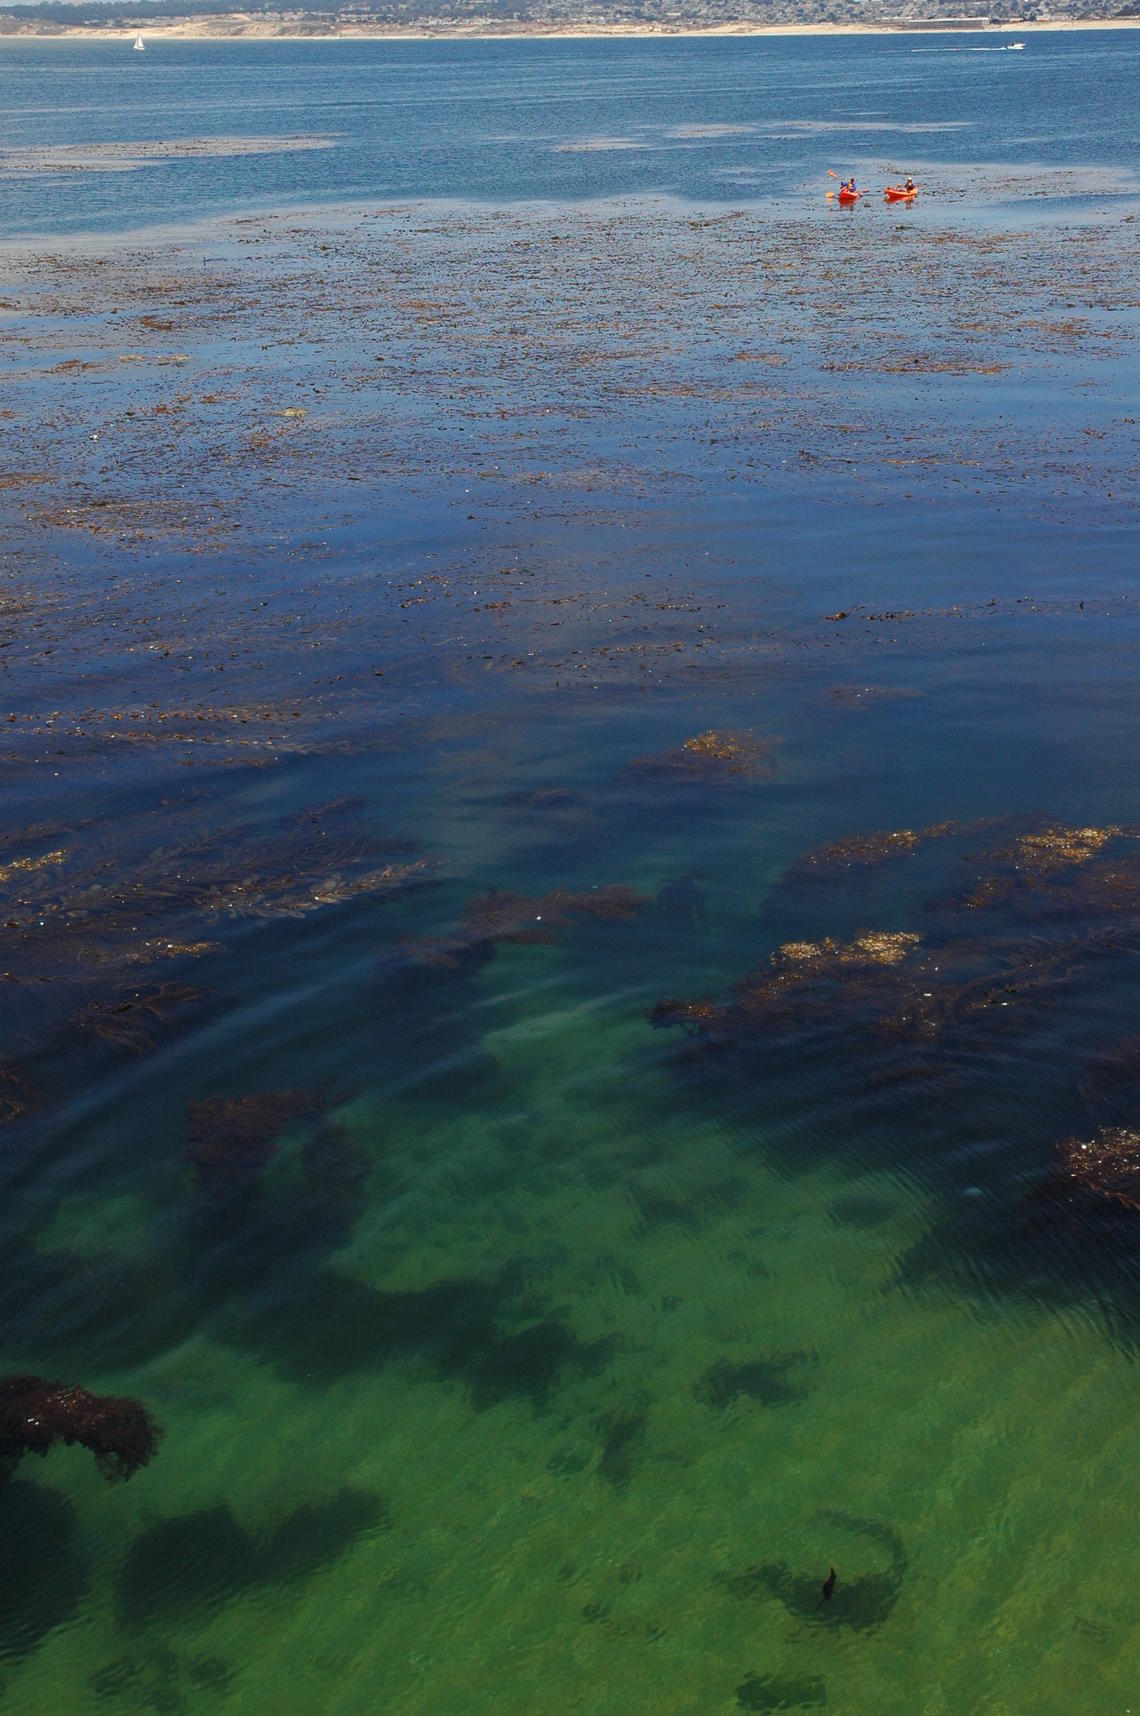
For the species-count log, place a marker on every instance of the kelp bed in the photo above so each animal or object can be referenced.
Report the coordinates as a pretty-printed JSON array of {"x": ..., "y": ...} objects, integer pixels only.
[
  {"x": 275, "y": 388},
  {"x": 402, "y": 723}
]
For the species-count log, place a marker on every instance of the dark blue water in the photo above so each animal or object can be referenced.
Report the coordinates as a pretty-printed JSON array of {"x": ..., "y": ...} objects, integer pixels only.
[{"x": 554, "y": 119}]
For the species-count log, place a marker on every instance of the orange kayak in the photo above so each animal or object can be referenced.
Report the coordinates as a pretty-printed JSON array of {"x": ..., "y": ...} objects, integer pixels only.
[
  {"x": 848, "y": 196},
  {"x": 898, "y": 194}
]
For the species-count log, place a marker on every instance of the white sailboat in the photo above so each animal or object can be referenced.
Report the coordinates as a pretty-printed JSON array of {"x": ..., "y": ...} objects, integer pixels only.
[{"x": 140, "y": 45}]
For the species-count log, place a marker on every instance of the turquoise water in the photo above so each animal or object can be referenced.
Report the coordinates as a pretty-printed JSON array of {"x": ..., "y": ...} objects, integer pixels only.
[{"x": 570, "y": 878}]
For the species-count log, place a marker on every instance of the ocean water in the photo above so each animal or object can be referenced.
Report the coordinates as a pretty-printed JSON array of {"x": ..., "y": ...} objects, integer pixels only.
[
  {"x": 706, "y": 120},
  {"x": 571, "y": 877}
]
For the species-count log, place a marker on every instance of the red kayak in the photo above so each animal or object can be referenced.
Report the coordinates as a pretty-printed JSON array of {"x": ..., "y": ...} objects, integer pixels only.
[
  {"x": 848, "y": 196},
  {"x": 899, "y": 194}
]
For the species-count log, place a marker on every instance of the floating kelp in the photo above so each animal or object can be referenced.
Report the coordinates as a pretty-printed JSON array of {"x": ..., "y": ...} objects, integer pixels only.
[
  {"x": 966, "y": 988},
  {"x": 133, "y": 1020},
  {"x": 1060, "y": 848},
  {"x": 1059, "y": 868},
  {"x": 489, "y": 919},
  {"x": 24, "y": 866},
  {"x": 884, "y": 990},
  {"x": 108, "y": 910},
  {"x": 63, "y": 915},
  {"x": 856, "y": 850},
  {"x": 35, "y": 1415},
  {"x": 701, "y": 1014},
  {"x": 711, "y": 756},
  {"x": 1014, "y": 865},
  {"x": 861, "y": 849},
  {"x": 119, "y": 1021},
  {"x": 1106, "y": 1165},
  {"x": 872, "y": 947},
  {"x": 258, "y": 897},
  {"x": 804, "y": 983}
]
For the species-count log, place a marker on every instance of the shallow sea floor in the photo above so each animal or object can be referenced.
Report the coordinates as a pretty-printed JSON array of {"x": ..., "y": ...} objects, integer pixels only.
[{"x": 645, "y": 795}]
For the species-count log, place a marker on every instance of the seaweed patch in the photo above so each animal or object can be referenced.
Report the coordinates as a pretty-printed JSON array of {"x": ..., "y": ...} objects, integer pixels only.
[
  {"x": 622, "y": 1433},
  {"x": 36, "y": 1414},
  {"x": 780, "y": 1692},
  {"x": 231, "y": 1140},
  {"x": 208, "y": 1557},
  {"x": 534, "y": 920},
  {"x": 860, "y": 1602},
  {"x": 1106, "y": 1165},
  {"x": 766, "y": 1380},
  {"x": 711, "y": 756}
]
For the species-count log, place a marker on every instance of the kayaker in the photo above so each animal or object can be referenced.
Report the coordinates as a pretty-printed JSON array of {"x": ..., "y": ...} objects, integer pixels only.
[{"x": 909, "y": 186}]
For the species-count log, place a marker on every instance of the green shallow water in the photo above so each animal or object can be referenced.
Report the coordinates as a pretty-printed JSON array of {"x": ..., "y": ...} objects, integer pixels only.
[
  {"x": 615, "y": 1535},
  {"x": 573, "y": 1401}
]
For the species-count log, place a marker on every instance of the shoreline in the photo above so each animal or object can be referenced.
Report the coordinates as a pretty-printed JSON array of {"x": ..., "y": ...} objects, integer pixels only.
[{"x": 201, "y": 30}]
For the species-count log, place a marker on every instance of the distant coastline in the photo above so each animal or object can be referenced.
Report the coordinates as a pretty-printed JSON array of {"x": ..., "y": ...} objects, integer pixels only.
[{"x": 245, "y": 28}]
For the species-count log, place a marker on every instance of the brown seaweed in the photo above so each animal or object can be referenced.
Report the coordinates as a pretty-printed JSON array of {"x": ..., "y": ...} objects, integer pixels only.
[
  {"x": 1106, "y": 1165},
  {"x": 802, "y": 983},
  {"x": 702, "y": 1013},
  {"x": 1058, "y": 867},
  {"x": 888, "y": 990},
  {"x": 711, "y": 756},
  {"x": 861, "y": 849},
  {"x": 35, "y": 1414},
  {"x": 65, "y": 915},
  {"x": 133, "y": 1019}
]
